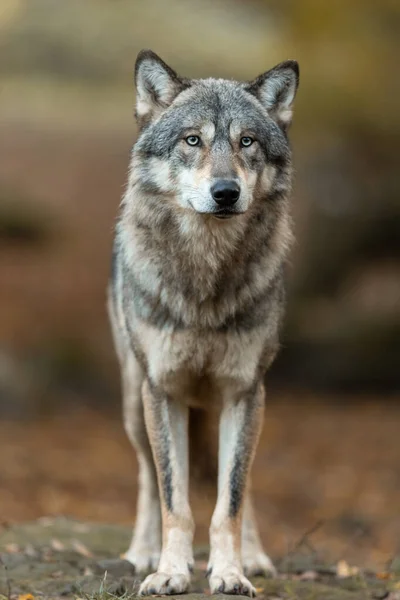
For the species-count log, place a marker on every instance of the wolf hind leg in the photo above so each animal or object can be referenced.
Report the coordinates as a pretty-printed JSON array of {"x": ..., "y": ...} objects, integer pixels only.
[
  {"x": 145, "y": 548},
  {"x": 254, "y": 559}
]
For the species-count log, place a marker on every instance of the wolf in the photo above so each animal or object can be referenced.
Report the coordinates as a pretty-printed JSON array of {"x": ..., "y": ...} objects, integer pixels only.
[{"x": 196, "y": 301}]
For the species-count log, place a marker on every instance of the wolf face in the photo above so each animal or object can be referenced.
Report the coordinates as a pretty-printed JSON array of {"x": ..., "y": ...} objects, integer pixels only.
[{"x": 212, "y": 146}]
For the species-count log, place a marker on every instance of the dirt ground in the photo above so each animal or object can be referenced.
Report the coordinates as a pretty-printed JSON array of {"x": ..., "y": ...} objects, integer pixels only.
[{"x": 61, "y": 558}]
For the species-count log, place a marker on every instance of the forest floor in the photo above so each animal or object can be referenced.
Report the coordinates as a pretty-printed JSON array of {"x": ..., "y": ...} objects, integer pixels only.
[
  {"x": 63, "y": 558},
  {"x": 326, "y": 485}
]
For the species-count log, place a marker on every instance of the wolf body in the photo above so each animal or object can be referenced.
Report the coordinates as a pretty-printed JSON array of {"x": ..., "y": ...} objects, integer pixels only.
[{"x": 196, "y": 301}]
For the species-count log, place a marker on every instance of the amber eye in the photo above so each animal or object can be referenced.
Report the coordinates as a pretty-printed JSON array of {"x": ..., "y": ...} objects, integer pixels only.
[
  {"x": 193, "y": 140},
  {"x": 246, "y": 141}
]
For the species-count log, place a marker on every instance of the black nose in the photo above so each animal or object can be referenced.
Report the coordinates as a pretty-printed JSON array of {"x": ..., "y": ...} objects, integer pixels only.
[{"x": 225, "y": 192}]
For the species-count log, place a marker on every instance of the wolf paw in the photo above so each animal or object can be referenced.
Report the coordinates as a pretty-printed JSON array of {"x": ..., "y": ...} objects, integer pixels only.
[
  {"x": 258, "y": 564},
  {"x": 231, "y": 582},
  {"x": 143, "y": 561},
  {"x": 164, "y": 583}
]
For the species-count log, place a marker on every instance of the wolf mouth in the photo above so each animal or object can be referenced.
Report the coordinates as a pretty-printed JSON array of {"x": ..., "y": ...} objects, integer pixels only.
[
  {"x": 222, "y": 213},
  {"x": 225, "y": 214}
]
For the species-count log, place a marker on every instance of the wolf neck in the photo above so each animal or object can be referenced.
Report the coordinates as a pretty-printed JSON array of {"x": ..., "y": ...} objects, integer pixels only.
[
  {"x": 184, "y": 242},
  {"x": 200, "y": 269},
  {"x": 207, "y": 245}
]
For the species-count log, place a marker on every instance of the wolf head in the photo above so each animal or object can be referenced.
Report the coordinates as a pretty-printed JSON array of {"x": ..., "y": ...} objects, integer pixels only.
[{"x": 212, "y": 146}]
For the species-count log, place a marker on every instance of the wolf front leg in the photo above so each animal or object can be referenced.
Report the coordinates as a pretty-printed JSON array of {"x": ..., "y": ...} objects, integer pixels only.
[
  {"x": 255, "y": 561},
  {"x": 167, "y": 427},
  {"x": 240, "y": 426}
]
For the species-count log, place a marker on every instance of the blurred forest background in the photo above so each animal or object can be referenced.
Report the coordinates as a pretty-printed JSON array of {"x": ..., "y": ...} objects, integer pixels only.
[{"x": 331, "y": 448}]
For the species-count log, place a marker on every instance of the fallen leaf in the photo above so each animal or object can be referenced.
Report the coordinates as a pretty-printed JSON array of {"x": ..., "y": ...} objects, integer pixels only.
[
  {"x": 383, "y": 575},
  {"x": 259, "y": 590},
  {"x": 344, "y": 570},
  {"x": 26, "y": 597},
  {"x": 12, "y": 548},
  {"x": 57, "y": 545},
  {"x": 81, "y": 549},
  {"x": 88, "y": 572}
]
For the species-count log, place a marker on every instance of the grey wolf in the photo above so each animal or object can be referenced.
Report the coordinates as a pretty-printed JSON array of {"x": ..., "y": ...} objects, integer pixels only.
[{"x": 196, "y": 302}]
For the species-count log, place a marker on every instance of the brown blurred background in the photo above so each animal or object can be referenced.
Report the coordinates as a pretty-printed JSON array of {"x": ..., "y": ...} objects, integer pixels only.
[{"x": 331, "y": 445}]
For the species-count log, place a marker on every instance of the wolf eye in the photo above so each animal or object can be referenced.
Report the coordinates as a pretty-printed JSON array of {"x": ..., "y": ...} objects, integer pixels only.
[
  {"x": 193, "y": 140},
  {"x": 246, "y": 141}
]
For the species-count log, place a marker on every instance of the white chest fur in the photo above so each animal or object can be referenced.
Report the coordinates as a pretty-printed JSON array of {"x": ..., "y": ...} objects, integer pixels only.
[{"x": 176, "y": 360}]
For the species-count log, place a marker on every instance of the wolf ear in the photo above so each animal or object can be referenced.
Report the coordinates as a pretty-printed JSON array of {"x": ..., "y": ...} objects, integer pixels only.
[
  {"x": 276, "y": 90},
  {"x": 156, "y": 85}
]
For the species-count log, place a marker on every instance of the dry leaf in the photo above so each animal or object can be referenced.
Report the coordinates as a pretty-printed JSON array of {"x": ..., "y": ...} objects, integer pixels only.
[
  {"x": 57, "y": 545},
  {"x": 383, "y": 575},
  {"x": 26, "y": 597},
  {"x": 81, "y": 549},
  {"x": 259, "y": 590},
  {"x": 344, "y": 570},
  {"x": 88, "y": 572},
  {"x": 12, "y": 548}
]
